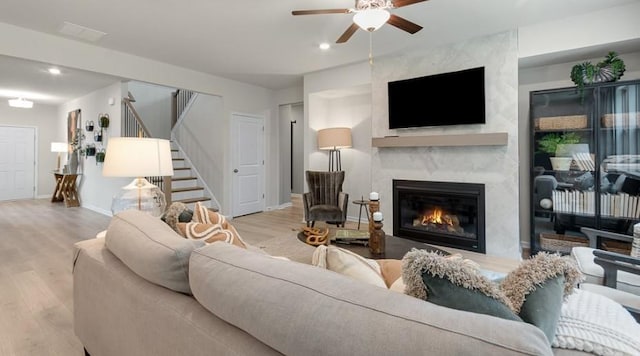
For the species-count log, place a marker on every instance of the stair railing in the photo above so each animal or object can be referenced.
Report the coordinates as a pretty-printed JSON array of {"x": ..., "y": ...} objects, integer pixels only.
[
  {"x": 181, "y": 98},
  {"x": 132, "y": 126}
]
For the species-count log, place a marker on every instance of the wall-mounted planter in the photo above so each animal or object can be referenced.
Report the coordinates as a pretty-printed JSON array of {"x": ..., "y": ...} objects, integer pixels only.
[
  {"x": 103, "y": 120},
  {"x": 89, "y": 126},
  {"x": 100, "y": 156},
  {"x": 90, "y": 151},
  {"x": 98, "y": 136}
]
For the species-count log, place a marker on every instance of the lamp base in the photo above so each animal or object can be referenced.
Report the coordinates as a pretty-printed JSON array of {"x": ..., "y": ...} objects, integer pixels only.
[
  {"x": 140, "y": 195},
  {"x": 335, "y": 163}
]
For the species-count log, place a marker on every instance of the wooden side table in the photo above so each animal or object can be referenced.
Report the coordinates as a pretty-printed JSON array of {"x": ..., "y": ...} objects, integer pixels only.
[
  {"x": 363, "y": 204},
  {"x": 66, "y": 189}
]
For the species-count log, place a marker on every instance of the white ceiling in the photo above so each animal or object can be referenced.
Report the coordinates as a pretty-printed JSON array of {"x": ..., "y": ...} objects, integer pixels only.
[{"x": 260, "y": 42}]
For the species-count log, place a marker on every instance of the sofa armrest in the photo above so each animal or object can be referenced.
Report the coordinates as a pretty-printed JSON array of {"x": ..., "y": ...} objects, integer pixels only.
[
  {"x": 613, "y": 262},
  {"x": 593, "y": 235}
]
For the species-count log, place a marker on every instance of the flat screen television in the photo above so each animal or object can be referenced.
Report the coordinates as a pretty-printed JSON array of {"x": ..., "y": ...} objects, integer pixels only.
[{"x": 455, "y": 98}]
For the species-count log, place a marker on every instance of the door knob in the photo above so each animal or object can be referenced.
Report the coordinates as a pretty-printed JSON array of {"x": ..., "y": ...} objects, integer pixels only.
[{"x": 235, "y": 170}]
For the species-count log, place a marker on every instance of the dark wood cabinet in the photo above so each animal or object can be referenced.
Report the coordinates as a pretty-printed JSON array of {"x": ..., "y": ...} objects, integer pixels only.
[{"x": 585, "y": 164}]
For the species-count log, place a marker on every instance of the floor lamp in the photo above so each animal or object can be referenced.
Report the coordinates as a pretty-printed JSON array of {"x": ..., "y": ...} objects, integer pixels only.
[
  {"x": 138, "y": 157},
  {"x": 334, "y": 139},
  {"x": 59, "y": 148}
]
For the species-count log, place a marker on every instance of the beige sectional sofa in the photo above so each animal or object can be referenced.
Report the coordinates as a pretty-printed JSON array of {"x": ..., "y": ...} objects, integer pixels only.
[{"x": 247, "y": 303}]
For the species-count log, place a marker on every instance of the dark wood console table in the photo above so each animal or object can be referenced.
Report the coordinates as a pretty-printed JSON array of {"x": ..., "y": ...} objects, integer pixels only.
[{"x": 66, "y": 189}]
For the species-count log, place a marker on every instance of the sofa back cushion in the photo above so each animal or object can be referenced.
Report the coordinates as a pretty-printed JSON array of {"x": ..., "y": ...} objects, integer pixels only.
[
  {"x": 299, "y": 309},
  {"x": 151, "y": 249}
]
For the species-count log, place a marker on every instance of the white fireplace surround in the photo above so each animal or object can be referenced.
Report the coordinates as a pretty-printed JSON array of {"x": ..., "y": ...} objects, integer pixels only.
[{"x": 494, "y": 166}]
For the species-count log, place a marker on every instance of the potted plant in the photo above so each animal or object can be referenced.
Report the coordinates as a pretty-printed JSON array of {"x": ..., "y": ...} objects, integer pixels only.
[
  {"x": 549, "y": 145},
  {"x": 608, "y": 70}
]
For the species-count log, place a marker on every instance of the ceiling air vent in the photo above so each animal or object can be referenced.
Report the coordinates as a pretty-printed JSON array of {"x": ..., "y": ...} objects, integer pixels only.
[{"x": 81, "y": 32}]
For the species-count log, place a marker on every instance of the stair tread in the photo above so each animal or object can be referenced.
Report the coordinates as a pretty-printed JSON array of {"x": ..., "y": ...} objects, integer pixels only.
[
  {"x": 192, "y": 200},
  {"x": 177, "y": 190},
  {"x": 182, "y": 178}
]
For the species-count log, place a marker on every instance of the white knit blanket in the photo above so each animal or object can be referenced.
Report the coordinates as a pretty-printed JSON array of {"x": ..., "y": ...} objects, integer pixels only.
[{"x": 592, "y": 323}]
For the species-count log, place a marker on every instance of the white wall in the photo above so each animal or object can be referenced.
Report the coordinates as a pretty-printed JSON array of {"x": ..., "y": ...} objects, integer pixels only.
[
  {"x": 353, "y": 111},
  {"x": 202, "y": 135},
  {"x": 598, "y": 28},
  {"x": 494, "y": 166},
  {"x": 541, "y": 78},
  {"x": 153, "y": 104},
  {"x": 45, "y": 119},
  {"x": 237, "y": 96},
  {"x": 96, "y": 192}
]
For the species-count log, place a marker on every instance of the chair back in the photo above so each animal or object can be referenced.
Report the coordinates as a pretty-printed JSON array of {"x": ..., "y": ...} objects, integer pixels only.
[{"x": 324, "y": 187}]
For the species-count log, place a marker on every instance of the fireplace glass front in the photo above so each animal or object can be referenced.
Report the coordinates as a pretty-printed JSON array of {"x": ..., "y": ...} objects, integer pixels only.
[{"x": 442, "y": 213}]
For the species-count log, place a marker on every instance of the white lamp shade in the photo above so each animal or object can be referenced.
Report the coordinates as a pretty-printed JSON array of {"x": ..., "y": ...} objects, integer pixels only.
[
  {"x": 137, "y": 157},
  {"x": 59, "y": 147},
  {"x": 371, "y": 19},
  {"x": 334, "y": 138}
]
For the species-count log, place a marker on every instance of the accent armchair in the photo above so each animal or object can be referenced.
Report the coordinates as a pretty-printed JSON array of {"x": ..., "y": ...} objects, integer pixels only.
[{"x": 325, "y": 200}]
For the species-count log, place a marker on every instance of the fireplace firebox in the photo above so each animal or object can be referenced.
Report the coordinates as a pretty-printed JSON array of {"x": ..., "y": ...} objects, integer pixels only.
[{"x": 441, "y": 213}]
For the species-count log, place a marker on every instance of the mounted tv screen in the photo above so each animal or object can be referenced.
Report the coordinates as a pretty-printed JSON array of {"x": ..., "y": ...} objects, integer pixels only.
[{"x": 455, "y": 98}]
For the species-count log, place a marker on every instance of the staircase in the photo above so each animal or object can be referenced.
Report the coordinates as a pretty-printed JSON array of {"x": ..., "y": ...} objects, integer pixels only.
[{"x": 186, "y": 188}]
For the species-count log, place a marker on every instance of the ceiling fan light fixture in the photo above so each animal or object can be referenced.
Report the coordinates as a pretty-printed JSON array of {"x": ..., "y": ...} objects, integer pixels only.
[
  {"x": 371, "y": 19},
  {"x": 20, "y": 103}
]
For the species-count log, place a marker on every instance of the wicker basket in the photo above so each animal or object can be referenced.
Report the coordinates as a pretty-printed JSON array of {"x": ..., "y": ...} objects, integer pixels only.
[
  {"x": 620, "y": 120},
  {"x": 617, "y": 247},
  {"x": 561, "y": 122},
  {"x": 561, "y": 243}
]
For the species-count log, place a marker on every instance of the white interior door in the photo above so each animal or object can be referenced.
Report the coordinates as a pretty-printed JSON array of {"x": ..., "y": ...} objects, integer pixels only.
[
  {"x": 247, "y": 135},
  {"x": 17, "y": 162}
]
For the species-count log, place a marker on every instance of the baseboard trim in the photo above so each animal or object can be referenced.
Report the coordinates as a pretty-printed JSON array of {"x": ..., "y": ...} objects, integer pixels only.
[
  {"x": 279, "y": 207},
  {"x": 98, "y": 210}
]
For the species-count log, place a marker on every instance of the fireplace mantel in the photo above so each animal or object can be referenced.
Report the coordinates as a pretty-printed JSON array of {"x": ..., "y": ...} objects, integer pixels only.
[{"x": 477, "y": 139}]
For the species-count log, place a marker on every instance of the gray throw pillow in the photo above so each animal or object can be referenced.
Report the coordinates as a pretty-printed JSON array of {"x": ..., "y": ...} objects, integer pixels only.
[
  {"x": 538, "y": 287},
  {"x": 453, "y": 283}
]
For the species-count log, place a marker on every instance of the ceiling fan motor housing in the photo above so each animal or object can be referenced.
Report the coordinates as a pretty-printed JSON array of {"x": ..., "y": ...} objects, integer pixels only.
[{"x": 373, "y": 4}]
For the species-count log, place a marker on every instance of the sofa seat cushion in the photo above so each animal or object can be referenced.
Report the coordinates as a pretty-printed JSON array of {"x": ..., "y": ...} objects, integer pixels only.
[
  {"x": 151, "y": 249},
  {"x": 299, "y": 309},
  {"x": 625, "y": 298},
  {"x": 593, "y": 273},
  {"x": 325, "y": 213}
]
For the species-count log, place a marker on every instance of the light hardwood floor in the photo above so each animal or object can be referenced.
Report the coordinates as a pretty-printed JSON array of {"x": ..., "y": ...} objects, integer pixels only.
[{"x": 36, "y": 287}]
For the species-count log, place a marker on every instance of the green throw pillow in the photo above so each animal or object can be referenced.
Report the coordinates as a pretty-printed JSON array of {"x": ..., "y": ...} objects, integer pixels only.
[
  {"x": 443, "y": 292},
  {"x": 453, "y": 283},
  {"x": 542, "y": 306},
  {"x": 538, "y": 287}
]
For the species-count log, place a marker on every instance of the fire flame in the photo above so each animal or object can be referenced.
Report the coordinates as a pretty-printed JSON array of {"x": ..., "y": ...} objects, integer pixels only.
[{"x": 437, "y": 217}]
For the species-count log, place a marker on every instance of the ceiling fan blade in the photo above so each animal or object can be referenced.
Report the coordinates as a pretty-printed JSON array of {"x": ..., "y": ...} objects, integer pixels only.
[
  {"x": 404, "y": 24},
  {"x": 320, "y": 12},
  {"x": 401, "y": 3},
  {"x": 348, "y": 33}
]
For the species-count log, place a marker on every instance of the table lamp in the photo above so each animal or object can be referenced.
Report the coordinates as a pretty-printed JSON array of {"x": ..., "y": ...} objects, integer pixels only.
[
  {"x": 333, "y": 139},
  {"x": 138, "y": 157},
  {"x": 59, "y": 148}
]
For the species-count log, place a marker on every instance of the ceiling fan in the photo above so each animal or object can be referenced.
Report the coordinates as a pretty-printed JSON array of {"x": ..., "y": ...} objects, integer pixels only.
[{"x": 370, "y": 15}]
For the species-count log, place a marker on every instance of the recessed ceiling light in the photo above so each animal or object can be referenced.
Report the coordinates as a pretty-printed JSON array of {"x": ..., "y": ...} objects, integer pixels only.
[
  {"x": 54, "y": 71},
  {"x": 20, "y": 103},
  {"x": 324, "y": 46}
]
